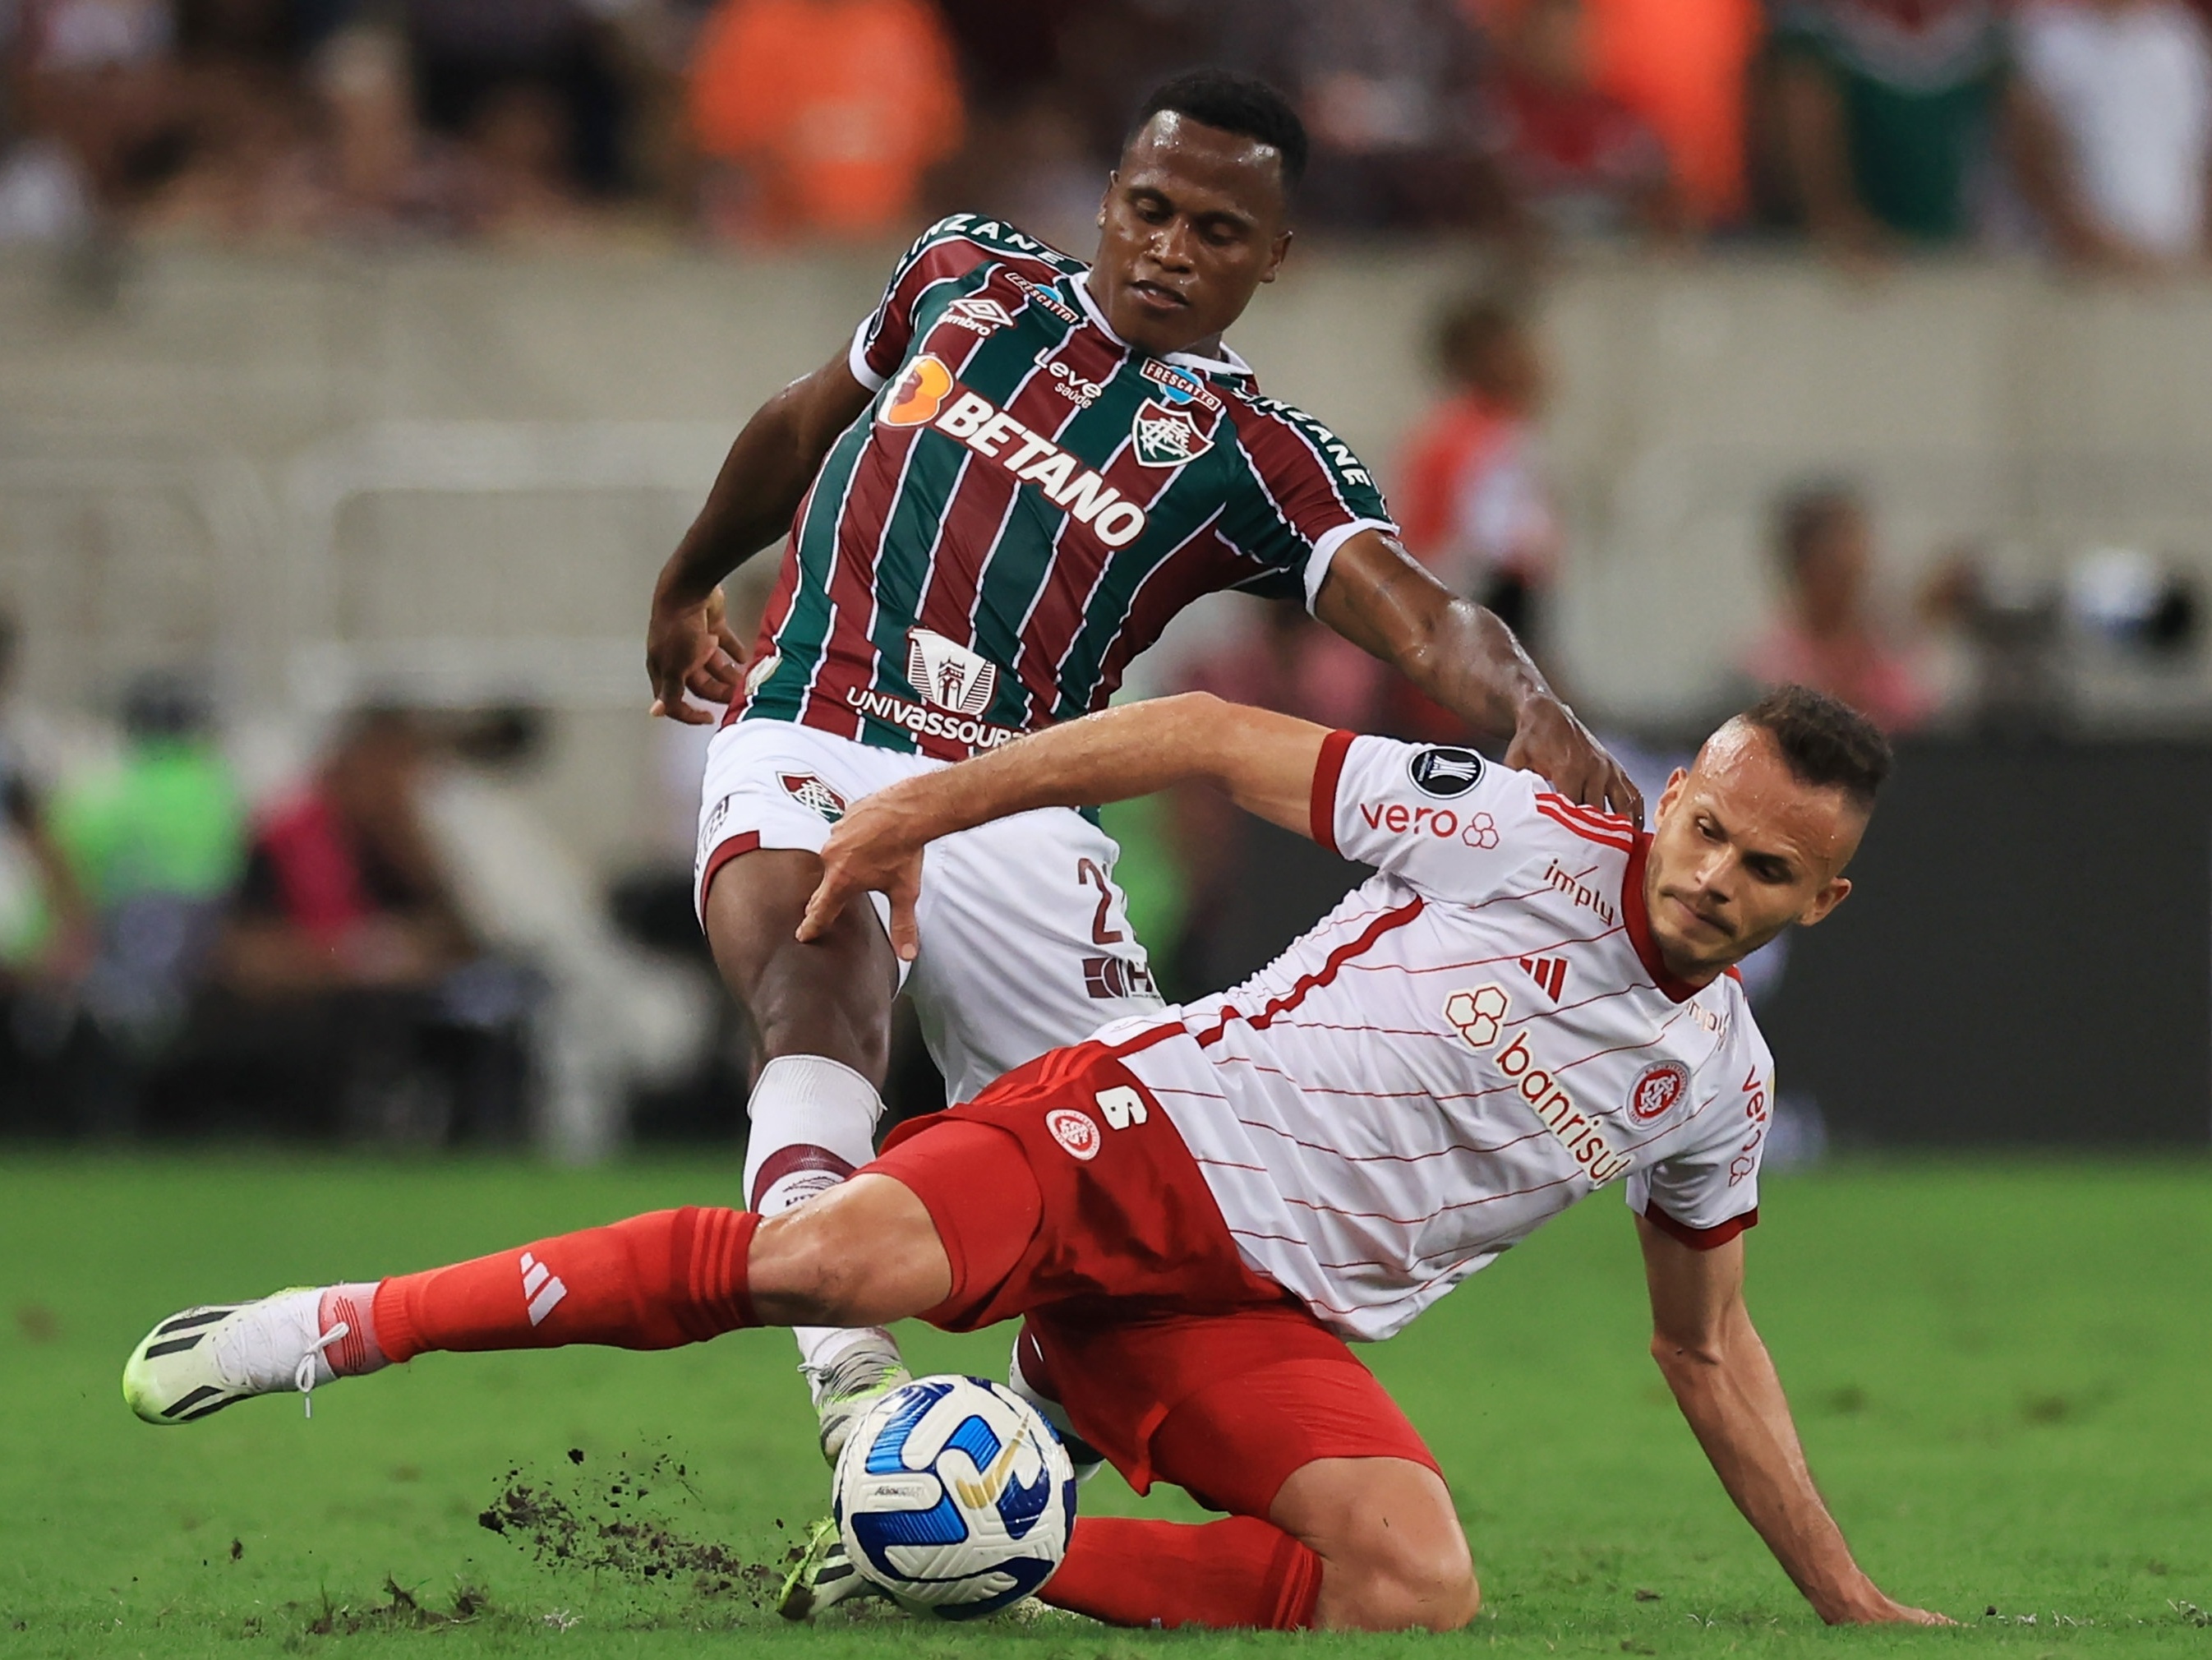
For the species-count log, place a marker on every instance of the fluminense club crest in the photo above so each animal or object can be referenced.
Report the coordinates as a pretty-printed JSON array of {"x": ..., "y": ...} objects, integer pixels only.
[
  {"x": 811, "y": 791},
  {"x": 946, "y": 674},
  {"x": 1165, "y": 436}
]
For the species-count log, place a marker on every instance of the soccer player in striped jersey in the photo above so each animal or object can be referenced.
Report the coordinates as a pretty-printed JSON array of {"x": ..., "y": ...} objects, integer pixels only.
[
  {"x": 1528, "y": 1002},
  {"x": 1018, "y": 471}
]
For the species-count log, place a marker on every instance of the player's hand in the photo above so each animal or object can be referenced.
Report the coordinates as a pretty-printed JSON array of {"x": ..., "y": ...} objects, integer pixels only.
[
  {"x": 874, "y": 849},
  {"x": 691, "y": 648},
  {"x": 1553, "y": 744}
]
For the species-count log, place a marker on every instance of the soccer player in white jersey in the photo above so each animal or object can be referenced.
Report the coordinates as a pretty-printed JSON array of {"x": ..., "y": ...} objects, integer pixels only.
[{"x": 1192, "y": 1211}]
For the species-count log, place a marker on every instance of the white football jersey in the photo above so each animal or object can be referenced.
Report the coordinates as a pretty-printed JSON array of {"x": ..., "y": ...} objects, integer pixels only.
[{"x": 1476, "y": 1038}]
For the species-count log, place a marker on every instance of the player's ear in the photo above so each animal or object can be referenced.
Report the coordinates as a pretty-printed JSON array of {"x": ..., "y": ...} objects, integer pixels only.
[
  {"x": 1278, "y": 251},
  {"x": 1832, "y": 893},
  {"x": 1675, "y": 779}
]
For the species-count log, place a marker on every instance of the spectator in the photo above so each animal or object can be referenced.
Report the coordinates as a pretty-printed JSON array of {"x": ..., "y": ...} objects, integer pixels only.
[
  {"x": 97, "y": 81},
  {"x": 1576, "y": 160},
  {"x": 153, "y": 843},
  {"x": 1390, "y": 91},
  {"x": 1886, "y": 108},
  {"x": 46, "y": 931},
  {"x": 1825, "y": 635},
  {"x": 1681, "y": 65},
  {"x": 1892, "y": 116},
  {"x": 341, "y": 887},
  {"x": 2129, "y": 85},
  {"x": 348, "y": 972},
  {"x": 1472, "y": 501},
  {"x": 821, "y": 117},
  {"x": 476, "y": 62}
]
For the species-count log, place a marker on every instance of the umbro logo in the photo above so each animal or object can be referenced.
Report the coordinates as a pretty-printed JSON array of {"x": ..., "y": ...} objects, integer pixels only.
[
  {"x": 542, "y": 1287},
  {"x": 1548, "y": 972}
]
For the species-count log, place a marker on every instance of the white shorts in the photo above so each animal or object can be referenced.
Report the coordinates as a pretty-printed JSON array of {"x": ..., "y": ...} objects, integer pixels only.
[{"x": 1025, "y": 938}]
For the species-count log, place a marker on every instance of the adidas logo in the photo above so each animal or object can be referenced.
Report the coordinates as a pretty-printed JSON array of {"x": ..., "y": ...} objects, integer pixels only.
[
  {"x": 542, "y": 1287},
  {"x": 1548, "y": 972}
]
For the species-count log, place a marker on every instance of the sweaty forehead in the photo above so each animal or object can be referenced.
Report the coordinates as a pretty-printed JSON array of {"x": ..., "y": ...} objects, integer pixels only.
[
  {"x": 1194, "y": 164},
  {"x": 1740, "y": 775}
]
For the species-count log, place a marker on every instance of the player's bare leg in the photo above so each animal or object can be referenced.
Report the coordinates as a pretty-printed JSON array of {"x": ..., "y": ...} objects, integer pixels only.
[
  {"x": 1393, "y": 1555},
  {"x": 817, "y": 1020}
]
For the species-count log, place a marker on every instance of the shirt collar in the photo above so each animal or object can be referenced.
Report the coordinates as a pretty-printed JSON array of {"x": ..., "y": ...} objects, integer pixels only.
[
  {"x": 1638, "y": 921},
  {"x": 1228, "y": 363}
]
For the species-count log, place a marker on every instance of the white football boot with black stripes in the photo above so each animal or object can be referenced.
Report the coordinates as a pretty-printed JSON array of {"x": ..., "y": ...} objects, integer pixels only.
[{"x": 200, "y": 1360}]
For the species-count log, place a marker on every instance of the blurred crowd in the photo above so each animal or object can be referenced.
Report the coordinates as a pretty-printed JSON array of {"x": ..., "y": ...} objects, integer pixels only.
[
  {"x": 2080, "y": 128},
  {"x": 389, "y": 947}
]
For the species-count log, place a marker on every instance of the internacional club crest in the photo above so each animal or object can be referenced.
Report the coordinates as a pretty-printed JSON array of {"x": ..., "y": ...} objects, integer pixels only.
[
  {"x": 1076, "y": 1132},
  {"x": 1656, "y": 1088},
  {"x": 1166, "y": 437}
]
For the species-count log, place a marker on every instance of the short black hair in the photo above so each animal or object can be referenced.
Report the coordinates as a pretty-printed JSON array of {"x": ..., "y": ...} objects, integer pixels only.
[
  {"x": 1808, "y": 513},
  {"x": 1473, "y": 323},
  {"x": 1826, "y": 743},
  {"x": 1242, "y": 104}
]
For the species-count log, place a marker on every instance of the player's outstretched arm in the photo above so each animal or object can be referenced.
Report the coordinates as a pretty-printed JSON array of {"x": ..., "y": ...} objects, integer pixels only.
[
  {"x": 1384, "y": 601},
  {"x": 1264, "y": 761},
  {"x": 1725, "y": 1383},
  {"x": 763, "y": 479}
]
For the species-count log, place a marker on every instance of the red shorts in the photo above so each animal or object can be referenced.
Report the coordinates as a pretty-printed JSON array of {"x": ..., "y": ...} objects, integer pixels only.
[{"x": 1063, "y": 1193}]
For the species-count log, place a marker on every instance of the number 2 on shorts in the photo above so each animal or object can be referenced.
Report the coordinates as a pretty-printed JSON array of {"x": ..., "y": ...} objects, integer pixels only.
[{"x": 1088, "y": 873}]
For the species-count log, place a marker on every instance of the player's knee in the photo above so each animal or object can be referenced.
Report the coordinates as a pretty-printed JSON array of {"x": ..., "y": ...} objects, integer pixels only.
[
  {"x": 1398, "y": 1581},
  {"x": 861, "y": 1253},
  {"x": 809, "y": 1267},
  {"x": 1429, "y": 1589}
]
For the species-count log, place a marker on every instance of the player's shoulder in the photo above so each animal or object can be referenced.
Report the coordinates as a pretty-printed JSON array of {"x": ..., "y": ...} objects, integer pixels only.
[
  {"x": 1574, "y": 826},
  {"x": 990, "y": 239},
  {"x": 1280, "y": 436},
  {"x": 1741, "y": 1054}
]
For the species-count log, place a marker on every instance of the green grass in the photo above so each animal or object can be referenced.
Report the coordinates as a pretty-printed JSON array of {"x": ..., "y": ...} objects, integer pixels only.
[{"x": 2003, "y": 1373}]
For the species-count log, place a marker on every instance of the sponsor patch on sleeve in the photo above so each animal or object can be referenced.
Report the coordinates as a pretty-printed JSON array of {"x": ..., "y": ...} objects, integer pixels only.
[{"x": 1445, "y": 770}]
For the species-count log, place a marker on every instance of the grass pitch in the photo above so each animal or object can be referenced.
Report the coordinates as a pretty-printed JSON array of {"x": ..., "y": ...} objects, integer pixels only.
[{"x": 2003, "y": 1373}]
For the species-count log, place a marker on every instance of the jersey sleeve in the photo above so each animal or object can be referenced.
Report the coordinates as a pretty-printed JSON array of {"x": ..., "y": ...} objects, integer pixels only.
[
  {"x": 1707, "y": 1193},
  {"x": 1302, "y": 493},
  {"x": 1442, "y": 818},
  {"x": 943, "y": 253}
]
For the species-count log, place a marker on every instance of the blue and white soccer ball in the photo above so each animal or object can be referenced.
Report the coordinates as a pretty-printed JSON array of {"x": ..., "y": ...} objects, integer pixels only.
[{"x": 954, "y": 1496}]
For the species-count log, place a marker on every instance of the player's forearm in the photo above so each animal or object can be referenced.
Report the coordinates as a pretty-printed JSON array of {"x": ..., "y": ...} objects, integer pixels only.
[
  {"x": 1470, "y": 662},
  {"x": 1385, "y": 602},
  {"x": 1262, "y": 759},
  {"x": 1735, "y": 1403}
]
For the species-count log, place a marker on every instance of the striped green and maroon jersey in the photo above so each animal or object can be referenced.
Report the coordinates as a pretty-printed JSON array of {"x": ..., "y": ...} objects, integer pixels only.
[{"x": 1026, "y": 503}]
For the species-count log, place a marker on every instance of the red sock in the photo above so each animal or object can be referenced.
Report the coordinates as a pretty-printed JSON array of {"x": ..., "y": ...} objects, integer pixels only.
[
  {"x": 653, "y": 1282},
  {"x": 1240, "y": 1572}
]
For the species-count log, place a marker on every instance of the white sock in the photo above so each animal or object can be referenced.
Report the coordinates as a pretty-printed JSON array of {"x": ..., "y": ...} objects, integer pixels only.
[{"x": 814, "y": 1124}]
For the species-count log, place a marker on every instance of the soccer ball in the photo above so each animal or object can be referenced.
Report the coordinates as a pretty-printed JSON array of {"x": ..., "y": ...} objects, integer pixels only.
[{"x": 954, "y": 1496}]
